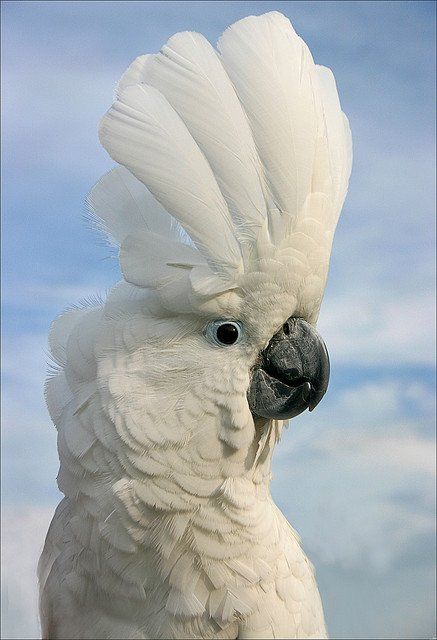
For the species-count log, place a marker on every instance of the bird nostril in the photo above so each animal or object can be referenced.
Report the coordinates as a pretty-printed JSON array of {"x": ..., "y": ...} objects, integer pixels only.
[{"x": 286, "y": 328}]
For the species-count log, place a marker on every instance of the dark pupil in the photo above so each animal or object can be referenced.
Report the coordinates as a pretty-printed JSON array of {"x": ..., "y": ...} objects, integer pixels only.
[{"x": 227, "y": 333}]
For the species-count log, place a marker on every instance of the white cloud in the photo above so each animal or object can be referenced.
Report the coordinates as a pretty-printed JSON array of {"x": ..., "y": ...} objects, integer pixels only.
[
  {"x": 408, "y": 453},
  {"x": 52, "y": 108},
  {"x": 29, "y": 455},
  {"x": 37, "y": 295},
  {"x": 357, "y": 478},
  {"x": 376, "y": 328},
  {"x": 23, "y": 532}
]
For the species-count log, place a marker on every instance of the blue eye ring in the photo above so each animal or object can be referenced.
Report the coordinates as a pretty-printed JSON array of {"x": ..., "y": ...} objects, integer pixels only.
[{"x": 224, "y": 332}]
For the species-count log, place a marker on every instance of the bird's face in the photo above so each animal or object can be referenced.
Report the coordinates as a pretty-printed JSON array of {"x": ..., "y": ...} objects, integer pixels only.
[
  {"x": 285, "y": 370},
  {"x": 290, "y": 373},
  {"x": 243, "y": 338},
  {"x": 206, "y": 380}
]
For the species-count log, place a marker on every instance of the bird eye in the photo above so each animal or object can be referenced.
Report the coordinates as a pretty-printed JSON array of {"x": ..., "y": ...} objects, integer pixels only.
[{"x": 224, "y": 332}]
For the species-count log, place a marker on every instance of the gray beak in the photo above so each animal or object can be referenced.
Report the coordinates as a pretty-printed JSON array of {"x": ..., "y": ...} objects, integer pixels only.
[{"x": 292, "y": 373}]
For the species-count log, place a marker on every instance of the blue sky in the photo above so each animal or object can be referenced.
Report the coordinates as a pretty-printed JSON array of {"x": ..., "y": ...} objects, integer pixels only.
[{"x": 356, "y": 477}]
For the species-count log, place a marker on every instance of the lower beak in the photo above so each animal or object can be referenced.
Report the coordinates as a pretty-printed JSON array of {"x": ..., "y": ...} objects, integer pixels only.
[{"x": 292, "y": 373}]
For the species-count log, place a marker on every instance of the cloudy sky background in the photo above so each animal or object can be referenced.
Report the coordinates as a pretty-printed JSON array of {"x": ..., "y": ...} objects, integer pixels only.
[{"x": 356, "y": 477}]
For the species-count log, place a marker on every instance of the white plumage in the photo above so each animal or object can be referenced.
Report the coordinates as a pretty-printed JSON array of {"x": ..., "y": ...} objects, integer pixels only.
[{"x": 234, "y": 168}]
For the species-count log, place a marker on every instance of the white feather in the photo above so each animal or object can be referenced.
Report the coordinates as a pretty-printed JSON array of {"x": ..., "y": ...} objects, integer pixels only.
[
  {"x": 60, "y": 331},
  {"x": 189, "y": 74},
  {"x": 338, "y": 137},
  {"x": 144, "y": 259},
  {"x": 143, "y": 132},
  {"x": 134, "y": 74},
  {"x": 122, "y": 205},
  {"x": 274, "y": 75}
]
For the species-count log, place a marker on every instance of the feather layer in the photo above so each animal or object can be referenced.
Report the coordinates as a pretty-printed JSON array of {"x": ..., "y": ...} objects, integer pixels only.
[{"x": 143, "y": 132}]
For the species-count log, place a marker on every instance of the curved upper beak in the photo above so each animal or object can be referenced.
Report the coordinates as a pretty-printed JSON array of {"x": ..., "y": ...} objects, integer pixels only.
[{"x": 292, "y": 373}]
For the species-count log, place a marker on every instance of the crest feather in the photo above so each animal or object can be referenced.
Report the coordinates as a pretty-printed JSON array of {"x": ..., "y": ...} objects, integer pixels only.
[
  {"x": 247, "y": 149},
  {"x": 189, "y": 73},
  {"x": 121, "y": 205},
  {"x": 274, "y": 75},
  {"x": 144, "y": 133}
]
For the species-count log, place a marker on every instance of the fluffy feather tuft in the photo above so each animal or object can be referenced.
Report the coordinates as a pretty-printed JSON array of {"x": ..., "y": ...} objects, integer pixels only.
[{"x": 235, "y": 146}]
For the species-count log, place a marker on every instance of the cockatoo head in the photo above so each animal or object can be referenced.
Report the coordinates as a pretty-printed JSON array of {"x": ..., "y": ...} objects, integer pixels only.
[{"x": 234, "y": 168}]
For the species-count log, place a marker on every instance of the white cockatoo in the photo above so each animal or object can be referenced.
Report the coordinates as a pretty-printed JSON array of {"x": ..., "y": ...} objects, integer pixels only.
[{"x": 170, "y": 396}]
